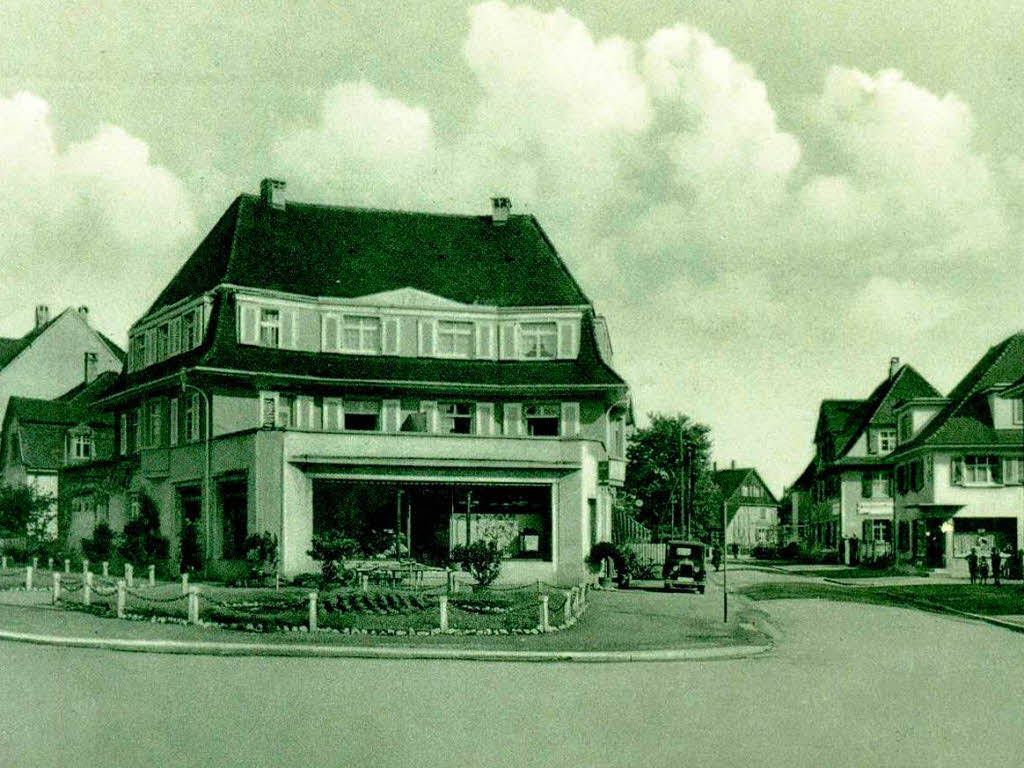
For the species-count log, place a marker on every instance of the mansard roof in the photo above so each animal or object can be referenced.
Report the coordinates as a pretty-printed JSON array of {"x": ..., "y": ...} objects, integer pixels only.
[{"x": 345, "y": 252}]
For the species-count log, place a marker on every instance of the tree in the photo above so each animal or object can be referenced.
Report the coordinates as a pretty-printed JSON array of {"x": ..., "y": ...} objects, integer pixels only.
[
  {"x": 24, "y": 511},
  {"x": 654, "y": 463}
]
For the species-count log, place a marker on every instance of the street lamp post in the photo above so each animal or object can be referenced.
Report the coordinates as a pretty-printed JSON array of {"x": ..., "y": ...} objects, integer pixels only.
[
  {"x": 725, "y": 563},
  {"x": 205, "y": 511}
]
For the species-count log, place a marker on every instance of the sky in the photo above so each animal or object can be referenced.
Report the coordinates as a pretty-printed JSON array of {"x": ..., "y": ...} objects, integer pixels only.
[{"x": 767, "y": 200}]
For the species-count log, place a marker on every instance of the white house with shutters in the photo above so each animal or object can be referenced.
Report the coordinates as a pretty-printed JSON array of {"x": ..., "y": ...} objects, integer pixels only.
[{"x": 414, "y": 381}]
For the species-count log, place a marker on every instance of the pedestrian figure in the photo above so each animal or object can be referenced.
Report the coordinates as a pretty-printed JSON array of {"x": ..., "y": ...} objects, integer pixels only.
[
  {"x": 983, "y": 570},
  {"x": 716, "y": 558},
  {"x": 972, "y": 566},
  {"x": 997, "y": 564}
]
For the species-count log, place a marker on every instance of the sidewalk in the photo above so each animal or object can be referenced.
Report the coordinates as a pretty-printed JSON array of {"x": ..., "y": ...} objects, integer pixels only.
[{"x": 617, "y": 626}]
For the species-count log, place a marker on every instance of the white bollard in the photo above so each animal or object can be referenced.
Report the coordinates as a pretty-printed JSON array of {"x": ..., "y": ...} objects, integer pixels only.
[
  {"x": 184, "y": 583},
  {"x": 450, "y": 580},
  {"x": 87, "y": 589},
  {"x": 277, "y": 582},
  {"x": 152, "y": 575},
  {"x": 122, "y": 598},
  {"x": 444, "y": 613},
  {"x": 312, "y": 612},
  {"x": 567, "y": 608},
  {"x": 85, "y": 568},
  {"x": 193, "y": 605},
  {"x": 67, "y": 566},
  {"x": 545, "y": 624},
  {"x": 129, "y": 574},
  {"x": 4, "y": 562},
  {"x": 106, "y": 569},
  {"x": 49, "y": 563},
  {"x": 364, "y": 582},
  {"x": 28, "y": 577},
  {"x": 35, "y": 563},
  {"x": 56, "y": 588}
]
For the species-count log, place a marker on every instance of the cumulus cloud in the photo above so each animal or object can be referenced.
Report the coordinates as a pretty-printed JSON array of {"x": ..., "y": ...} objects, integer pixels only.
[
  {"x": 108, "y": 222},
  {"x": 663, "y": 173}
]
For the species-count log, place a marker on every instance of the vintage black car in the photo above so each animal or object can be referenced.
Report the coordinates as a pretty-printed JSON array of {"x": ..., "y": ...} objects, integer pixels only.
[{"x": 684, "y": 566}]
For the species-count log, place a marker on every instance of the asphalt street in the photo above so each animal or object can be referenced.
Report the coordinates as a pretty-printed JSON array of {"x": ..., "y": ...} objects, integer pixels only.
[{"x": 847, "y": 685}]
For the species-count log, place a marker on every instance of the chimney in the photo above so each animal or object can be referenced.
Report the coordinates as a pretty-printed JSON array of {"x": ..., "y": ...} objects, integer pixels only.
[
  {"x": 732, "y": 464},
  {"x": 42, "y": 315},
  {"x": 714, "y": 466},
  {"x": 90, "y": 366},
  {"x": 894, "y": 365},
  {"x": 272, "y": 193},
  {"x": 501, "y": 207},
  {"x": 84, "y": 312}
]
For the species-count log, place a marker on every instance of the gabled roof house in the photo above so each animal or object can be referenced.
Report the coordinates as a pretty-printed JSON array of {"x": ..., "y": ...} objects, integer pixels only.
[
  {"x": 427, "y": 378},
  {"x": 752, "y": 510}
]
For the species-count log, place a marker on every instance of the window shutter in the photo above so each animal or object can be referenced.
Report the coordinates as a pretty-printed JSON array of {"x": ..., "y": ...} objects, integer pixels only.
[
  {"x": 172, "y": 421},
  {"x": 333, "y": 415},
  {"x": 174, "y": 337},
  {"x": 329, "y": 329},
  {"x": 302, "y": 416},
  {"x": 570, "y": 420},
  {"x": 997, "y": 472},
  {"x": 956, "y": 470},
  {"x": 429, "y": 407},
  {"x": 509, "y": 347},
  {"x": 512, "y": 419},
  {"x": 426, "y": 338},
  {"x": 289, "y": 330},
  {"x": 124, "y": 434},
  {"x": 485, "y": 340},
  {"x": 888, "y": 484},
  {"x": 391, "y": 411},
  {"x": 901, "y": 478},
  {"x": 566, "y": 339},
  {"x": 247, "y": 318},
  {"x": 196, "y": 421},
  {"x": 389, "y": 335},
  {"x": 485, "y": 419},
  {"x": 865, "y": 485},
  {"x": 872, "y": 441},
  {"x": 150, "y": 347},
  {"x": 1009, "y": 472}
]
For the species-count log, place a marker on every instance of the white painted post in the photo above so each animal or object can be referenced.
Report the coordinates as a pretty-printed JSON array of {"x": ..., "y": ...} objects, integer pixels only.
[
  {"x": 56, "y": 588},
  {"x": 129, "y": 574},
  {"x": 85, "y": 568},
  {"x": 277, "y": 582},
  {"x": 193, "y": 605},
  {"x": 5, "y": 562},
  {"x": 28, "y": 577},
  {"x": 364, "y": 582},
  {"x": 450, "y": 580},
  {"x": 545, "y": 625},
  {"x": 312, "y": 612},
  {"x": 184, "y": 583},
  {"x": 567, "y": 607},
  {"x": 121, "y": 598},
  {"x": 35, "y": 563},
  {"x": 49, "y": 564},
  {"x": 87, "y": 589},
  {"x": 67, "y": 566},
  {"x": 444, "y": 613},
  {"x": 106, "y": 569},
  {"x": 152, "y": 575}
]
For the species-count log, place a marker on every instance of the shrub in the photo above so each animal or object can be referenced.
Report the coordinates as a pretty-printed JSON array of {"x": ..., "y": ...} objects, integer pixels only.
[
  {"x": 792, "y": 551},
  {"x": 328, "y": 548},
  {"x": 261, "y": 553},
  {"x": 605, "y": 549},
  {"x": 140, "y": 542},
  {"x": 762, "y": 552},
  {"x": 98, "y": 548},
  {"x": 481, "y": 559}
]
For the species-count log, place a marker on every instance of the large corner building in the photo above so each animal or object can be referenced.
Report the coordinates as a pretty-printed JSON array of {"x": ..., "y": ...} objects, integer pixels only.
[{"x": 419, "y": 380}]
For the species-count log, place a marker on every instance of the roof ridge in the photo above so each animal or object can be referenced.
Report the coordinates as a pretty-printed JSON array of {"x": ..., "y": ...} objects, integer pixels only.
[{"x": 377, "y": 209}]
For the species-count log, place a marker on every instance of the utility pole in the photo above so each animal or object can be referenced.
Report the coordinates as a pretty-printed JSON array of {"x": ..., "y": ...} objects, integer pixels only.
[
  {"x": 725, "y": 564},
  {"x": 683, "y": 468}
]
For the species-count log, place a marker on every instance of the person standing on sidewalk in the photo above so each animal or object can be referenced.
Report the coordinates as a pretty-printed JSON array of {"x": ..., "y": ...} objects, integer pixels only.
[
  {"x": 972, "y": 566},
  {"x": 983, "y": 570},
  {"x": 997, "y": 564}
]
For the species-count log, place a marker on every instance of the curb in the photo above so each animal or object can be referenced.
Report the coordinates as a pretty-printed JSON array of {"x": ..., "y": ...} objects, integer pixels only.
[{"x": 353, "y": 652}]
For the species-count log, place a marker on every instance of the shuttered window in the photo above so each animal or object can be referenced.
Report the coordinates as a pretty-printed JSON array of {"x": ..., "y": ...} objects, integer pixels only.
[
  {"x": 172, "y": 421},
  {"x": 570, "y": 426}
]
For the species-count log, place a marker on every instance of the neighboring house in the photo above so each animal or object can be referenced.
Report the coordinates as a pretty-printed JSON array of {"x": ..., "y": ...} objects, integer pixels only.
[
  {"x": 960, "y": 464},
  {"x": 795, "y": 506},
  {"x": 851, "y": 508},
  {"x": 752, "y": 509},
  {"x": 419, "y": 378},
  {"x": 38, "y": 437},
  {"x": 56, "y": 355}
]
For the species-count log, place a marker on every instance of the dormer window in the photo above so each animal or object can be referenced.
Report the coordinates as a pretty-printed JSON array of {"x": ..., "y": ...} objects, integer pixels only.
[
  {"x": 80, "y": 445},
  {"x": 538, "y": 340},
  {"x": 886, "y": 440},
  {"x": 454, "y": 339},
  {"x": 361, "y": 334},
  {"x": 270, "y": 328}
]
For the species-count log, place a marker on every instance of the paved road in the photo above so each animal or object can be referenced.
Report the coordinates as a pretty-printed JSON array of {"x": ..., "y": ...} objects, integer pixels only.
[{"x": 848, "y": 685}]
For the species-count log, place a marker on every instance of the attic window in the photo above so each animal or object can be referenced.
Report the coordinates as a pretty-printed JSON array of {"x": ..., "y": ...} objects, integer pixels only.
[
  {"x": 270, "y": 327},
  {"x": 886, "y": 440},
  {"x": 80, "y": 446},
  {"x": 538, "y": 340}
]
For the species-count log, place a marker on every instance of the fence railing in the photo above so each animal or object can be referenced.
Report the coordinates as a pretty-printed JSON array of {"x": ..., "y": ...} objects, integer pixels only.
[{"x": 648, "y": 551}]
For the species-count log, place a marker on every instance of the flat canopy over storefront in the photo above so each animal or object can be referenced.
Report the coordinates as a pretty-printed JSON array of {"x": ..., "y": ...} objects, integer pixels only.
[{"x": 936, "y": 510}]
